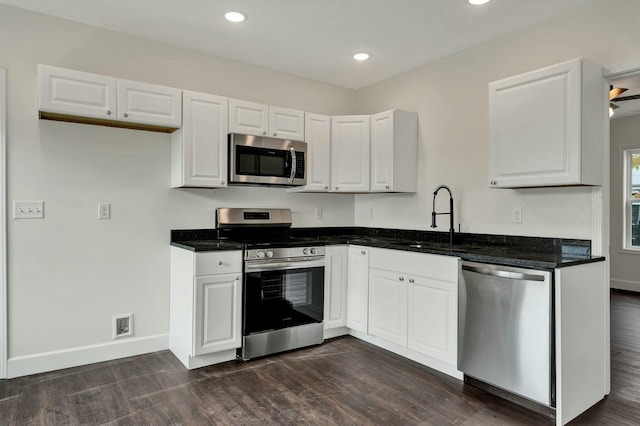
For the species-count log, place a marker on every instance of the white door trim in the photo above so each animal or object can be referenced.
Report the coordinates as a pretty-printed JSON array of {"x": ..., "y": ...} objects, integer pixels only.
[
  {"x": 3, "y": 225},
  {"x": 610, "y": 73}
]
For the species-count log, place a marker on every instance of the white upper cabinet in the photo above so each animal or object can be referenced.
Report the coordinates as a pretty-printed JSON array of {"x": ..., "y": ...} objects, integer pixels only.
[
  {"x": 317, "y": 130},
  {"x": 82, "y": 97},
  {"x": 199, "y": 148},
  {"x": 69, "y": 92},
  {"x": 286, "y": 123},
  {"x": 249, "y": 118},
  {"x": 547, "y": 127},
  {"x": 394, "y": 143},
  {"x": 350, "y": 153},
  {"x": 252, "y": 118},
  {"x": 149, "y": 104}
]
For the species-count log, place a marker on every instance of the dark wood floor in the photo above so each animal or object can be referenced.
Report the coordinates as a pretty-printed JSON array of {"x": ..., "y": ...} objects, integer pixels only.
[{"x": 344, "y": 381}]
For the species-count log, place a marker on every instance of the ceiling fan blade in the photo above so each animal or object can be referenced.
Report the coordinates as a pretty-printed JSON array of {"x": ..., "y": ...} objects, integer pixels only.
[
  {"x": 615, "y": 92},
  {"x": 626, "y": 98}
]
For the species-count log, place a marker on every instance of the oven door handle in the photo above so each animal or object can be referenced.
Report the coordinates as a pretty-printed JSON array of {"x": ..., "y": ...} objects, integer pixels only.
[{"x": 290, "y": 264}]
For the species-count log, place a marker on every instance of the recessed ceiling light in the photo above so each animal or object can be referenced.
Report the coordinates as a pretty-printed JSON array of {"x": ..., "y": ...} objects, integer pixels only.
[
  {"x": 478, "y": 2},
  {"x": 234, "y": 16},
  {"x": 361, "y": 56}
]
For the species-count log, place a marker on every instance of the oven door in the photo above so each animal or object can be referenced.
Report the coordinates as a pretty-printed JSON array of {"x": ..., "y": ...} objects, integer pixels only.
[
  {"x": 266, "y": 161},
  {"x": 283, "y": 293}
]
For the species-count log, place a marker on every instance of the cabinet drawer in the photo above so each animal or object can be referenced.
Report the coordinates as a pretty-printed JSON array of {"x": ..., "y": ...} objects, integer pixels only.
[
  {"x": 443, "y": 268},
  {"x": 218, "y": 262}
]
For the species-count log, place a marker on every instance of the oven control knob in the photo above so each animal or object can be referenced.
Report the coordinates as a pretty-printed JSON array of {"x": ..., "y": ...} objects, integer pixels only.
[
  {"x": 314, "y": 251},
  {"x": 305, "y": 251},
  {"x": 269, "y": 253},
  {"x": 259, "y": 254}
]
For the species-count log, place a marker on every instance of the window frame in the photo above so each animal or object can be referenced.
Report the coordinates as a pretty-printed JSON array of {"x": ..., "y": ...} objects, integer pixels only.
[{"x": 628, "y": 202}]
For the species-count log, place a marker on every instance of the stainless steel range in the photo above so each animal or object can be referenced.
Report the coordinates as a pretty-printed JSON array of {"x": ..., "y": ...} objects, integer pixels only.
[{"x": 283, "y": 286}]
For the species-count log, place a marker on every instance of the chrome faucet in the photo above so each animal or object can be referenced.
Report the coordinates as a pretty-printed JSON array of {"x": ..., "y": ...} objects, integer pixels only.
[{"x": 450, "y": 212}]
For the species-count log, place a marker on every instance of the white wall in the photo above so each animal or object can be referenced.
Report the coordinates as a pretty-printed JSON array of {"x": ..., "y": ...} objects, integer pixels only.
[
  {"x": 625, "y": 265},
  {"x": 69, "y": 273},
  {"x": 451, "y": 99}
]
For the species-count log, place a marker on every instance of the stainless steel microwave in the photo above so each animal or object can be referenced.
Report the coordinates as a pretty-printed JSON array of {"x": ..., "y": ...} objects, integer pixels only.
[{"x": 257, "y": 160}]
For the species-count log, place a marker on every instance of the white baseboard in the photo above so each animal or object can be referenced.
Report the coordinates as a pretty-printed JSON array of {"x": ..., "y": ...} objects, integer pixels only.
[
  {"x": 443, "y": 367},
  {"x": 625, "y": 285},
  {"x": 74, "y": 357}
]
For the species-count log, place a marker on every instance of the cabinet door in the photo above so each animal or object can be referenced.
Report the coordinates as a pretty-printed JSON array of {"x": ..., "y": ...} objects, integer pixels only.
[
  {"x": 358, "y": 288},
  {"x": 286, "y": 123},
  {"x": 350, "y": 153},
  {"x": 546, "y": 126},
  {"x": 388, "y": 306},
  {"x": 199, "y": 149},
  {"x": 382, "y": 152},
  {"x": 335, "y": 287},
  {"x": 433, "y": 318},
  {"x": 78, "y": 93},
  {"x": 217, "y": 313},
  {"x": 149, "y": 104},
  {"x": 248, "y": 118},
  {"x": 317, "y": 131}
]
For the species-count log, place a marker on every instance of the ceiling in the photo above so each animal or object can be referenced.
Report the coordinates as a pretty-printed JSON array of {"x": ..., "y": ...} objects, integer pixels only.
[{"x": 313, "y": 39}]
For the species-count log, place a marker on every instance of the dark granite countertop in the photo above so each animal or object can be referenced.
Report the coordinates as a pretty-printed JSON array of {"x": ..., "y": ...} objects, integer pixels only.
[{"x": 531, "y": 252}]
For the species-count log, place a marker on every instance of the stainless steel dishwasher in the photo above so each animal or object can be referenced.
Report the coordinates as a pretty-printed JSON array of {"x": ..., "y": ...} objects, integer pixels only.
[{"x": 505, "y": 330}]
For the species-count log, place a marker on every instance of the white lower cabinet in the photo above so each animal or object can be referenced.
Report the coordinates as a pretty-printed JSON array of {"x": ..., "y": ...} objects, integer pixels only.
[
  {"x": 216, "y": 314},
  {"x": 335, "y": 287},
  {"x": 413, "y": 304},
  {"x": 358, "y": 288},
  {"x": 388, "y": 306},
  {"x": 205, "y": 306},
  {"x": 433, "y": 319}
]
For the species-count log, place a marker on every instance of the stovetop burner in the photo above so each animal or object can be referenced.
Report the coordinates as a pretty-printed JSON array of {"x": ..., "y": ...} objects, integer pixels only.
[{"x": 259, "y": 228}]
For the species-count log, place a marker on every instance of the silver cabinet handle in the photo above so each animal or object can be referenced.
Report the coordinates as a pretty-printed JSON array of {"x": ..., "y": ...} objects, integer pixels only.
[
  {"x": 264, "y": 132},
  {"x": 109, "y": 112},
  {"x": 411, "y": 280},
  {"x": 387, "y": 187},
  {"x": 275, "y": 134},
  {"x": 337, "y": 188},
  {"x": 326, "y": 187},
  {"x": 503, "y": 274},
  {"x": 294, "y": 164},
  {"x": 220, "y": 263},
  {"x": 126, "y": 115},
  {"x": 400, "y": 278},
  {"x": 363, "y": 252},
  {"x": 493, "y": 182}
]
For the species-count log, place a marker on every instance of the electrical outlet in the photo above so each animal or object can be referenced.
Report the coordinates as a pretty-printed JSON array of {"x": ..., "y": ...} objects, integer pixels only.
[
  {"x": 318, "y": 212},
  {"x": 28, "y": 210},
  {"x": 104, "y": 211},
  {"x": 122, "y": 326},
  {"x": 516, "y": 215}
]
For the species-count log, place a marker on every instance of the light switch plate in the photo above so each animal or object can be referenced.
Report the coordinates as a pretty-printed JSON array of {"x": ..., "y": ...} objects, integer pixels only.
[
  {"x": 28, "y": 210},
  {"x": 516, "y": 215},
  {"x": 104, "y": 211}
]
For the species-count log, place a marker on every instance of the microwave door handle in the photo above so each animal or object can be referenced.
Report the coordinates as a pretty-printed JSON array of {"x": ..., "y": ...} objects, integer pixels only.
[{"x": 293, "y": 165}]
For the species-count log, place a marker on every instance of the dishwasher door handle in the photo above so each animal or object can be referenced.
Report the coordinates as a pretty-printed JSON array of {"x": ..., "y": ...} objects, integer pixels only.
[{"x": 503, "y": 274}]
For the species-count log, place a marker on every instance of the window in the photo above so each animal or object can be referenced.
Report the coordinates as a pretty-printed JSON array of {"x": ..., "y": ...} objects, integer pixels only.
[{"x": 632, "y": 199}]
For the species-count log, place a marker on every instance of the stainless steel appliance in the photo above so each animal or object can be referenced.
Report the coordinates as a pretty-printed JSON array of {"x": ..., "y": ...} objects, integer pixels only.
[
  {"x": 283, "y": 286},
  {"x": 505, "y": 330},
  {"x": 256, "y": 160}
]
